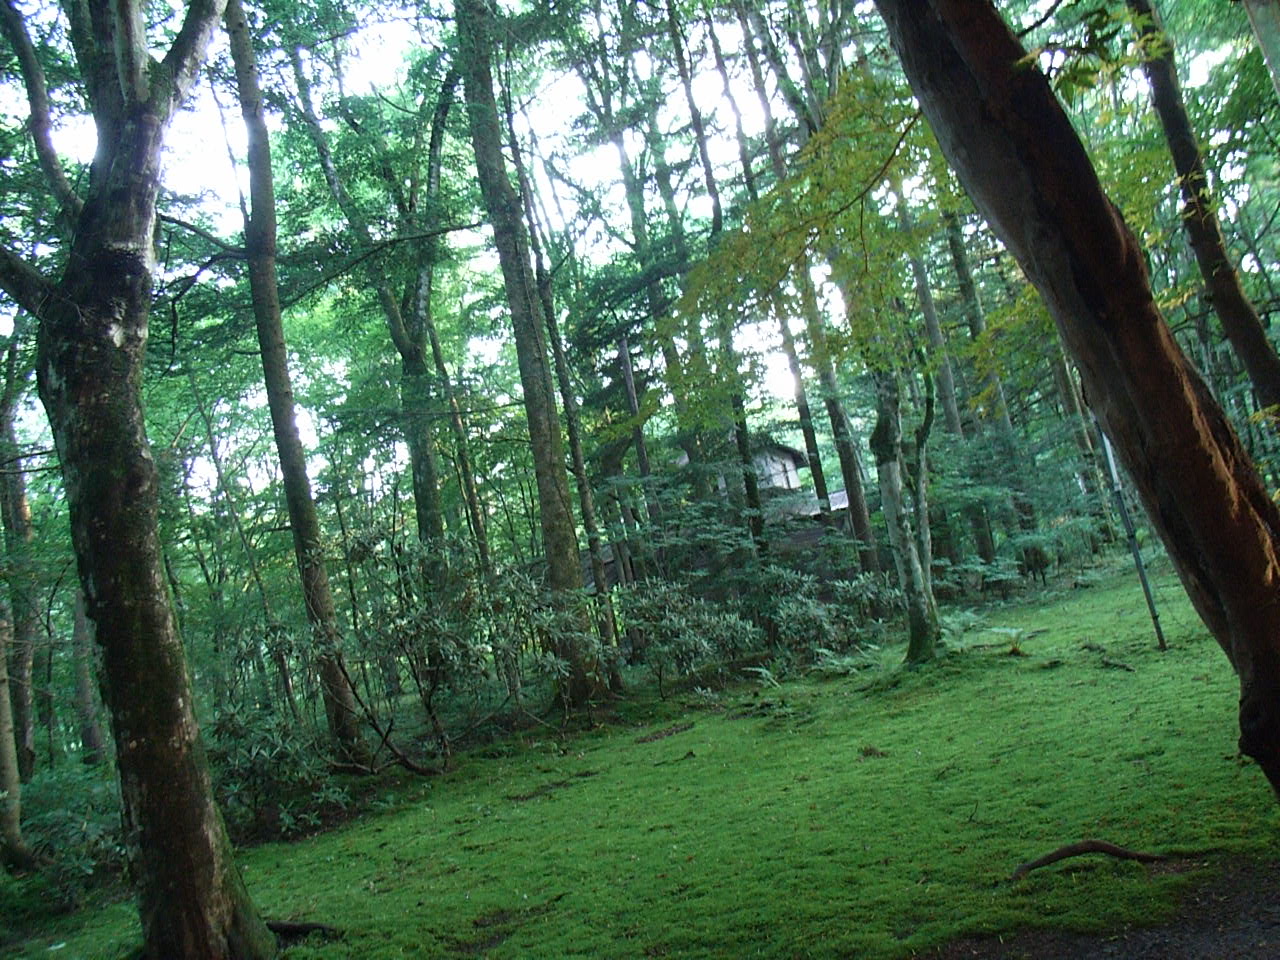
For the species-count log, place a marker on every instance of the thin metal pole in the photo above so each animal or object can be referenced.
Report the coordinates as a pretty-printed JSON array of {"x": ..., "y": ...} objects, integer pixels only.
[{"x": 1116, "y": 492}]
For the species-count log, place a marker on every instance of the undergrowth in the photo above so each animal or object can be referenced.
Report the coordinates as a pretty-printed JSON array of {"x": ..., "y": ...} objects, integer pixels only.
[{"x": 864, "y": 809}]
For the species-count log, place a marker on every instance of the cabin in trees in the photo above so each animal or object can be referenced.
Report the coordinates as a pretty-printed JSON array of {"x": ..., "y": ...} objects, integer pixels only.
[{"x": 777, "y": 466}]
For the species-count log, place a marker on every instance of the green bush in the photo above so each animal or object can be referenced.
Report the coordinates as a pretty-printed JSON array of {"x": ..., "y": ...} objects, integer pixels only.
[
  {"x": 72, "y": 818},
  {"x": 270, "y": 776}
]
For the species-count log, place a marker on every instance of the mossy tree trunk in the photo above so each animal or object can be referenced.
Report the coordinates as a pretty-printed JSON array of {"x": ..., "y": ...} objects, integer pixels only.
[
  {"x": 89, "y": 362},
  {"x": 1018, "y": 157}
]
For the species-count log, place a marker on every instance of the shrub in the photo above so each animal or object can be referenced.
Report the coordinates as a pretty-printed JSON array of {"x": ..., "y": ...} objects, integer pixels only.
[
  {"x": 72, "y": 817},
  {"x": 270, "y": 777}
]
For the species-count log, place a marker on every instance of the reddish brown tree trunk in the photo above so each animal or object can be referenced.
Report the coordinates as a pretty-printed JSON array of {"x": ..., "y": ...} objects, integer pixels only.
[{"x": 1018, "y": 157}]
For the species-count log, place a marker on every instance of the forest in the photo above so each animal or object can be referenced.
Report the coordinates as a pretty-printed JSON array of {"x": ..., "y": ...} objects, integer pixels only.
[{"x": 689, "y": 478}]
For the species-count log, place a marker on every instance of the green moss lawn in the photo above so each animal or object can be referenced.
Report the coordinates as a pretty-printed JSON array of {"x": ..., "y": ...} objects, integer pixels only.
[{"x": 873, "y": 814}]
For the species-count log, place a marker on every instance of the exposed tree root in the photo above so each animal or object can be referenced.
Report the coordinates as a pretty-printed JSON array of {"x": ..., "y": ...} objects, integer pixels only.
[{"x": 1083, "y": 847}]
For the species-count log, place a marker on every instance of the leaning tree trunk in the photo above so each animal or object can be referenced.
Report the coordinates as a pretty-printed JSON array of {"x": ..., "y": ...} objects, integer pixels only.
[
  {"x": 1239, "y": 317},
  {"x": 474, "y": 20},
  {"x": 605, "y": 618},
  {"x": 260, "y": 245},
  {"x": 89, "y": 362},
  {"x": 1018, "y": 157}
]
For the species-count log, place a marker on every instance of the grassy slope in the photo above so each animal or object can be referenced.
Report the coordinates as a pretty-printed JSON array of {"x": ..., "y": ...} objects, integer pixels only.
[{"x": 866, "y": 816}]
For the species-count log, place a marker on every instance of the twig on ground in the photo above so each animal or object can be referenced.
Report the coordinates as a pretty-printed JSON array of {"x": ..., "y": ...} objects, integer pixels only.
[{"x": 1083, "y": 847}]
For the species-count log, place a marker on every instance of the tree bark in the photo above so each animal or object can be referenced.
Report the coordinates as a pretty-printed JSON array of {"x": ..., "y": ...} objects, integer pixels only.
[
  {"x": 92, "y": 748},
  {"x": 1014, "y": 149},
  {"x": 474, "y": 21},
  {"x": 14, "y": 852},
  {"x": 886, "y": 446},
  {"x": 90, "y": 352},
  {"x": 15, "y": 512},
  {"x": 260, "y": 245},
  {"x": 1239, "y": 317},
  {"x": 573, "y": 424}
]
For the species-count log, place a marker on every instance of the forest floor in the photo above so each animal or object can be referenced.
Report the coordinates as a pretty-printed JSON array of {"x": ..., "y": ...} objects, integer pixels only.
[{"x": 863, "y": 810}]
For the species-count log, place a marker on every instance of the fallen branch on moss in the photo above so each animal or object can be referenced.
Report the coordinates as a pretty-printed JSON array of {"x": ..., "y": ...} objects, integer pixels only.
[
  {"x": 1083, "y": 847},
  {"x": 293, "y": 932}
]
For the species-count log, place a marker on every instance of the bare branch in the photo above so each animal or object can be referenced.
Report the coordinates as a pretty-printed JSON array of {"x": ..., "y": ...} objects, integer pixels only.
[
  {"x": 24, "y": 283},
  {"x": 188, "y": 51},
  {"x": 223, "y": 245},
  {"x": 38, "y": 100},
  {"x": 1083, "y": 847}
]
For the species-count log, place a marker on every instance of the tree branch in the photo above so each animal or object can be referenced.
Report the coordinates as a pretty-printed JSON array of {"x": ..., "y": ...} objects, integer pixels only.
[
  {"x": 373, "y": 251},
  {"x": 132, "y": 58},
  {"x": 187, "y": 53},
  {"x": 24, "y": 283},
  {"x": 1083, "y": 847},
  {"x": 38, "y": 99},
  {"x": 228, "y": 248}
]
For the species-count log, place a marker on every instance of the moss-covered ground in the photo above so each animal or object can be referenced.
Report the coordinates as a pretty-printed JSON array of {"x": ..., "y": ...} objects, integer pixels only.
[{"x": 875, "y": 814}]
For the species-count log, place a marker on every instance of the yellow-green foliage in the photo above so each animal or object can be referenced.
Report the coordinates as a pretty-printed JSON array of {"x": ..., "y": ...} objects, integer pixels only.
[{"x": 871, "y": 815}]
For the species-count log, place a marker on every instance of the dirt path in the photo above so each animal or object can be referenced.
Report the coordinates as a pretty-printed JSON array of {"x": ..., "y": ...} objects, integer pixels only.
[{"x": 1235, "y": 916}]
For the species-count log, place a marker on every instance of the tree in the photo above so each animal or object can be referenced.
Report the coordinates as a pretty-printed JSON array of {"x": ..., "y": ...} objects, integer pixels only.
[
  {"x": 260, "y": 249},
  {"x": 475, "y": 25},
  {"x": 1016, "y": 154},
  {"x": 15, "y": 511},
  {"x": 91, "y": 346},
  {"x": 1239, "y": 317},
  {"x": 14, "y": 852}
]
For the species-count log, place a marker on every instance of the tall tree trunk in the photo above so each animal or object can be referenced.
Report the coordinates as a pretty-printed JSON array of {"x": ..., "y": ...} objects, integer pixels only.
[
  {"x": 89, "y": 362},
  {"x": 92, "y": 745},
  {"x": 14, "y": 852},
  {"x": 15, "y": 513},
  {"x": 1240, "y": 321},
  {"x": 933, "y": 327},
  {"x": 1014, "y": 149},
  {"x": 886, "y": 446},
  {"x": 474, "y": 22},
  {"x": 260, "y": 244},
  {"x": 573, "y": 422},
  {"x": 728, "y": 354}
]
